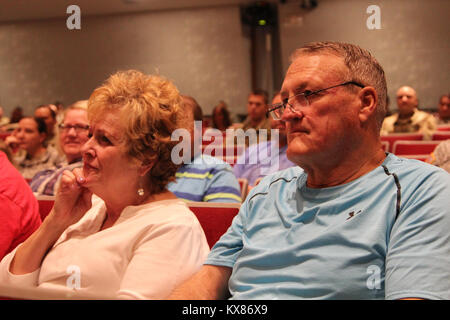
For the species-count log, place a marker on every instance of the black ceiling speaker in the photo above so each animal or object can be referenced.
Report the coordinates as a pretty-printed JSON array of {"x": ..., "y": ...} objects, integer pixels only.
[
  {"x": 260, "y": 13},
  {"x": 308, "y": 4}
]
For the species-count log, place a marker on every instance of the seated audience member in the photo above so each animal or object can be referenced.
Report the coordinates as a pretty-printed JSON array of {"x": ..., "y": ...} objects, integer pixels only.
[
  {"x": 114, "y": 219},
  {"x": 444, "y": 110},
  {"x": 19, "y": 210},
  {"x": 441, "y": 155},
  {"x": 350, "y": 222},
  {"x": 59, "y": 111},
  {"x": 203, "y": 178},
  {"x": 409, "y": 118},
  {"x": 6, "y": 150},
  {"x": 16, "y": 115},
  {"x": 48, "y": 113},
  {"x": 269, "y": 156},
  {"x": 3, "y": 120},
  {"x": 256, "y": 114},
  {"x": 221, "y": 119},
  {"x": 73, "y": 133},
  {"x": 32, "y": 155}
]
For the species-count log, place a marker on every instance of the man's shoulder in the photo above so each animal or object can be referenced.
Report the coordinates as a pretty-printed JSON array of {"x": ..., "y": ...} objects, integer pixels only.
[{"x": 414, "y": 171}]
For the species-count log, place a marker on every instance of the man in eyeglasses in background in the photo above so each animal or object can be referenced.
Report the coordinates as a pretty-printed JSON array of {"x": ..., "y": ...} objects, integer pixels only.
[
  {"x": 409, "y": 118},
  {"x": 73, "y": 134},
  {"x": 350, "y": 221}
]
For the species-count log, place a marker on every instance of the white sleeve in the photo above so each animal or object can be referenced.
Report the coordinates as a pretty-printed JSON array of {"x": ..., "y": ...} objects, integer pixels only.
[{"x": 28, "y": 280}]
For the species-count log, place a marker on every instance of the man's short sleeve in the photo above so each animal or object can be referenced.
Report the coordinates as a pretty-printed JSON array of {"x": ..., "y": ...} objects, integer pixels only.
[{"x": 418, "y": 257}]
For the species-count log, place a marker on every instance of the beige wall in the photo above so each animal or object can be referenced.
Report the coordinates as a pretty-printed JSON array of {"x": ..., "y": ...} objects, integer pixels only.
[
  {"x": 412, "y": 44},
  {"x": 202, "y": 50},
  {"x": 205, "y": 53}
]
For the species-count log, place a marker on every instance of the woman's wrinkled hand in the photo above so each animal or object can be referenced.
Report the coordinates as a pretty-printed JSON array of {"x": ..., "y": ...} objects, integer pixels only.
[{"x": 72, "y": 199}]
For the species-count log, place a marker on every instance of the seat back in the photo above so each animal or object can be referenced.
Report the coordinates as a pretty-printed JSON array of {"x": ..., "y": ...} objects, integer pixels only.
[
  {"x": 215, "y": 218},
  {"x": 391, "y": 138},
  {"x": 440, "y": 135},
  {"x": 414, "y": 147}
]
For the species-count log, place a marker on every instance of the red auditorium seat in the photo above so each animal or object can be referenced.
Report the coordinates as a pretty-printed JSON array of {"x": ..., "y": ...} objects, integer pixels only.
[
  {"x": 391, "y": 138},
  {"x": 440, "y": 135},
  {"x": 45, "y": 205},
  {"x": 443, "y": 127},
  {"x": 215, "y": 218},
  {"x": 414, "y": 147}
]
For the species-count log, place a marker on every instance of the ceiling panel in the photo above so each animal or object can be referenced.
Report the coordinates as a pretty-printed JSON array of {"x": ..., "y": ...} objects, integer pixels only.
[{"x": 17, "y": 10}]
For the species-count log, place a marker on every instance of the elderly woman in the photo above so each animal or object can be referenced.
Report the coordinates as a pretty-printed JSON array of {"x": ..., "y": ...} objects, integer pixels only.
[
  {"x": 72, "y": 134},
  {"x": 133, "y": 238},
  {"x": 32, "y": 155}
]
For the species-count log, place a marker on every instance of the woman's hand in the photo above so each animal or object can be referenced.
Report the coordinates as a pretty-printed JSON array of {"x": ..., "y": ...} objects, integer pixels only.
[
  {"x": 72, "y": 199},
  {"x": 71, "y": 203}
]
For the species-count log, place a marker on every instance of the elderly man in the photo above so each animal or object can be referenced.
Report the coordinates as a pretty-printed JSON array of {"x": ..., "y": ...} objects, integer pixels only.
[
  {"x": 350, "y": 221},
  {"x": 443, "y": 117},
  {"x": 409, "y": 118}
]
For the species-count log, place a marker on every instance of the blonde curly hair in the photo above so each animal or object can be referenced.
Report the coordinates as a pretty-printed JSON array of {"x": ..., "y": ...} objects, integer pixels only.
[{"x": 151, "y": 108}]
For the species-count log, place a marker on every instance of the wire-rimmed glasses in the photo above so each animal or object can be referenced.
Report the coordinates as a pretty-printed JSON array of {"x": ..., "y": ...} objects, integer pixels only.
[
  {"x": 79, "y": 128},
  {"x": 276, "y": 110}
]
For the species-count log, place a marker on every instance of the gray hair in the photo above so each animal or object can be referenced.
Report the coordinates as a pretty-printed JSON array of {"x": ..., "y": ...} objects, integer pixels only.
[{"x": 362, "y": 68}]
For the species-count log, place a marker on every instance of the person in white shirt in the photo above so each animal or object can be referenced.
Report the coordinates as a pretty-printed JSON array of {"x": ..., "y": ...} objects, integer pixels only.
[{"x": 115, "y": 231}]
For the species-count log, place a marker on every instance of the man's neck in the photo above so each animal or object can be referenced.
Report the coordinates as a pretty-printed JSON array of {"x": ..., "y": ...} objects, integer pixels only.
[
  {"x": 345, "y": 170},
  {"x": 405, "y": 115},
  {"x": 255, "y": 123}
]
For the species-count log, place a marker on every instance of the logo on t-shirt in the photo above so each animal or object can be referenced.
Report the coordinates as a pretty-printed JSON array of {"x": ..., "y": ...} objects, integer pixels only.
[{"x": 352, "y": 214}]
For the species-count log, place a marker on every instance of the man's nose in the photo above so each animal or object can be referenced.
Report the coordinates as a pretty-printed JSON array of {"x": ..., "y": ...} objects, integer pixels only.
[
  {"x": 72, "y": 131},
  {"x": 290, "y": 115}
]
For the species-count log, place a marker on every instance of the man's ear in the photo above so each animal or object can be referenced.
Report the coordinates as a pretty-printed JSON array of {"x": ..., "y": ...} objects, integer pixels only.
[
  {"x": 146, "y": 166},
  {"x": 369, "y": 101}
]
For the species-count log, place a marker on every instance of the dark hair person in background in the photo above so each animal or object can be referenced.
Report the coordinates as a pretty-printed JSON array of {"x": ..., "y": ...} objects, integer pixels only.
[
  {"x": 221, "y": 118},
  {"x": 32, "y": 155}
]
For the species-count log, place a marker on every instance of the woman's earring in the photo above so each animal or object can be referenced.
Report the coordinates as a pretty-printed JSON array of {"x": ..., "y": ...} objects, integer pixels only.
[{"x": 140, "y": 191}]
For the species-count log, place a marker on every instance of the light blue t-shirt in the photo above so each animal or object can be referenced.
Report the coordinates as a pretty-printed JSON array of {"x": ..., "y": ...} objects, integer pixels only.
[{"x": 345, "y": 242}]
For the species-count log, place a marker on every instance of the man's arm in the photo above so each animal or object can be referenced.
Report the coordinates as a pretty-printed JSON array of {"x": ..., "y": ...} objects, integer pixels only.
[{"x": 210, "y": 283}]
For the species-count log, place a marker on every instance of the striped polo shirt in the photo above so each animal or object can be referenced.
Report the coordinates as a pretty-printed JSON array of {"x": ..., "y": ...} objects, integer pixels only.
[{"x": 206, "y": 179}]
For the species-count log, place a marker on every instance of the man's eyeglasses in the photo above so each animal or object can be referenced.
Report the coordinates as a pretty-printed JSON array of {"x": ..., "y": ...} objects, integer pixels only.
[
  {"x": 276, "y": 110},
  {"x": 79, "y": 128}
]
